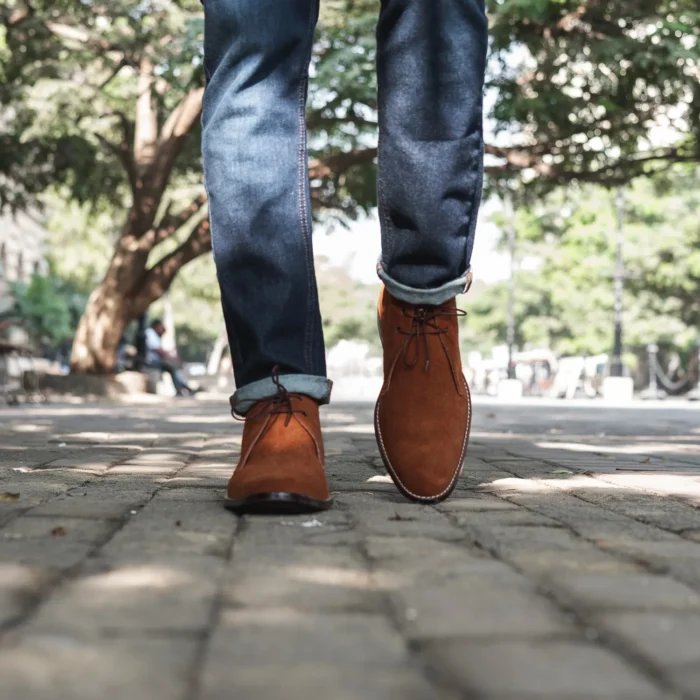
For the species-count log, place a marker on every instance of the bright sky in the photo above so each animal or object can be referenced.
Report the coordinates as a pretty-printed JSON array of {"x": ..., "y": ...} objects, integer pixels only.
[{"x": 357, "y": 248}]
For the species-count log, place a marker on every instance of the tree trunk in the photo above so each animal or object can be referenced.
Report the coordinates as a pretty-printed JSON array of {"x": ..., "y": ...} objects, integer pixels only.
[
  {"x": 127, "y": 291},
  {"x": 108, "y": 311},
  {"x": 98, "y": 334},
  {"x": 147, "y": 154}
]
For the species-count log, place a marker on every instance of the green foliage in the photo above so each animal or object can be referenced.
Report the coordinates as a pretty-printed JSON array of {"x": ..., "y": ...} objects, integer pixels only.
[
  {"x": 49, "y": 309},
  {"x": 585, "y": 92},
  {"x": 342, "y": 105},
  {"x": 348, "y": 307},
  {"x": 564, "y": 300},
  {"x": 197, "y": 306},
  {"x": 664, "y": 249},
  {"x": 595, "y": 91},
  {"x": 590, "y": 91},
  {"x": 80, "y": 240},
  {"x": 193, "y": 344},
  {"x": 67, "y": 72}
]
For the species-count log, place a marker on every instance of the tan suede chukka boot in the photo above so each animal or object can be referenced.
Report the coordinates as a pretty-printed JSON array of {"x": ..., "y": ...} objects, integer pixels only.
[
  {"x": 281, "y": 468},
  {"x": 423, "y": 414}
]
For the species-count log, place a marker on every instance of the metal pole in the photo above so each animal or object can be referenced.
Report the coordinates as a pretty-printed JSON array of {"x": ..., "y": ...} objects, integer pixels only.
[
  {"x": 510, "y": 331},
  {"x": 616, "y": 364}
]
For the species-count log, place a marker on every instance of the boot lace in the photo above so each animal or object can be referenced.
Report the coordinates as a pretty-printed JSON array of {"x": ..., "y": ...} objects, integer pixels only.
[{"x": 424, "y": 323}]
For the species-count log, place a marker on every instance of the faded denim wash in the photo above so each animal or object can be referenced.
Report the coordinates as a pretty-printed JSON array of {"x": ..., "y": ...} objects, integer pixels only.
[{"x": 431, "y": 58}]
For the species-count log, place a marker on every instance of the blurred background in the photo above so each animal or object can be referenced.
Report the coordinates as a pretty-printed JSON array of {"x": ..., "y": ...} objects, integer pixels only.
[{"x": 587, "y": 261}]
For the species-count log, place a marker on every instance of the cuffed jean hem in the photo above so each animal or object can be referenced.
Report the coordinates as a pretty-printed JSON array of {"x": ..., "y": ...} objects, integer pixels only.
[
  {"x": 318, "y": 388},
  {"x": 432, "y": 297}
]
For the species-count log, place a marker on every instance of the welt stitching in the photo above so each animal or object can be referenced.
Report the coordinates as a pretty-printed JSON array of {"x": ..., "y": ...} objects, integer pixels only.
[{"x": 302, "y": 187}]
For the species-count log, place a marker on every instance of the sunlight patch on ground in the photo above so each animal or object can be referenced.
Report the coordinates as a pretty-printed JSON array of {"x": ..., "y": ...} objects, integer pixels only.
[
  {"x": 379, "y": 479},
  {"x": 502, "y": 436},
  {"x": 334, "y": 576},
  {"x": 515, "y": 484},
  {"x": 659, "y": 482},
  {"x": 137, "y": 577},
  {"x": 141, "y": 469},
  {"x": 198, "y": 418},
  {"x": 30, "y": 428},
  {"x": 628, "y": 449}
]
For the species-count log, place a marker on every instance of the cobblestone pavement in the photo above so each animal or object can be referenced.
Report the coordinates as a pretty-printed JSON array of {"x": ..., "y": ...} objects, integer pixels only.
[{"x": 566, "y": 566}]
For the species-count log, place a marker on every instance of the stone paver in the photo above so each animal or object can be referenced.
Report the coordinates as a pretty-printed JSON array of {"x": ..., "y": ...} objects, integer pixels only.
[
  {"x": 566, "y": 565},
  {"x": 540, "y": 670}
]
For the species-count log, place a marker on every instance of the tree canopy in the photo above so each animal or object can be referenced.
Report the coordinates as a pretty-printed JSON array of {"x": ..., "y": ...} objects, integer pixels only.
[
  {"x": 100, "y": 124},
  {"x": 594, "y": 90},
  {"x": 566, "y": 257}
]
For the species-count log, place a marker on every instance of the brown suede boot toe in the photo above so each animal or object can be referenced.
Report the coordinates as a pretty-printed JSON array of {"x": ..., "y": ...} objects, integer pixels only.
[
  {"x": 281, "y": 466},
  {"x": 423, "y": 414}
]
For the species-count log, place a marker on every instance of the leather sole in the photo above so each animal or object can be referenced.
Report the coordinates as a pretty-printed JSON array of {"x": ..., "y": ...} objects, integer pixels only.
[{"x": 277, "y": 503}]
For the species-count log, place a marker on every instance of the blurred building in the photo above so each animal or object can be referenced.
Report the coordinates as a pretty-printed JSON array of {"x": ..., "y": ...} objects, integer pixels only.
[{"x": 22, "y": 252}]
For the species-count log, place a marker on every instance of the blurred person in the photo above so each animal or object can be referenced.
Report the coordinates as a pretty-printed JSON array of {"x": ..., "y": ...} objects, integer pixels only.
[
  {"x": 122, "y": 354},
  {"x": 158, "y": 358},
  {"x": 431, "y": 58}
]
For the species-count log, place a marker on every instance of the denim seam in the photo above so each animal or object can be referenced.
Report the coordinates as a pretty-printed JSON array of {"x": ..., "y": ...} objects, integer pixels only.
[
  {"x": 381, "y": 190},
  {"x": 302, "y": 189},
  {"x": 381, "y": 196},
  {"x": 315, "y": 317},
  {"x": 476, "y": 205}
]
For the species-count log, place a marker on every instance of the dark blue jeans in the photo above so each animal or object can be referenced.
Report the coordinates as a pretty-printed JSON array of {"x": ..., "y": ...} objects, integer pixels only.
[{"x": 430, "y": 63}]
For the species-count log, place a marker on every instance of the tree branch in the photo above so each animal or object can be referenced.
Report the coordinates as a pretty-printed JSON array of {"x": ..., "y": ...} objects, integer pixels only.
[
  {"x": 81, "y": 37},
  {"x": 172, "y": 137},
  {"x": 146, "y": 127},
  {"x": 159, "y": 278},
  {"x": 19, "y": 16},
  {"x": 334, "y": 165},
  {"x": 123, "y": 152},
  {"x": 519, "y": 158},
  {"x": 172, "y": 223},
  {"x": 183, "y": 117},
  {"x": 113, "y": 73}
]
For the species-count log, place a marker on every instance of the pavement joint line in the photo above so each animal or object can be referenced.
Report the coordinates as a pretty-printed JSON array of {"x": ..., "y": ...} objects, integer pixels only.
[
  {"x": 605, "y": 532},
  {"x": 630, "y": 558},
  {"x": 64, "y": 576},
  {"x": 637, "y": 661},
  {"x": 650, "y": 567},
  {"x": 444, "y": 690},
  {"x": 194, "y": 681},
  {"x": 633, "y": 518},
  {"x": 649, "y": 492}
]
